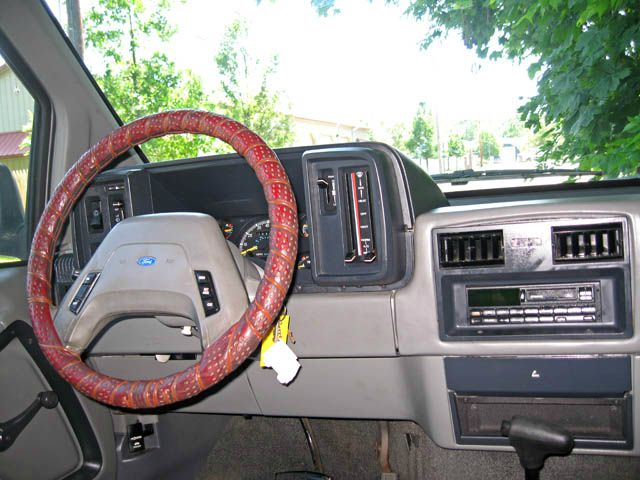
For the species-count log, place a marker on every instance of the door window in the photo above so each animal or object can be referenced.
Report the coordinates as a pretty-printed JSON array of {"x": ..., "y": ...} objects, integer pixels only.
[{"x": 16, "y": 125}]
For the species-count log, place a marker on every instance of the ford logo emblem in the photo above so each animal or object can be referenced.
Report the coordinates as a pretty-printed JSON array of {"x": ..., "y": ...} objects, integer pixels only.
[{"x": 146, "y": 261}]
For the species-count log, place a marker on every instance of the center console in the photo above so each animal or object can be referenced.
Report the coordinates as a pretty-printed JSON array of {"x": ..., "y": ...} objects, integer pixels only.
[{"x": 547, "y": 278}]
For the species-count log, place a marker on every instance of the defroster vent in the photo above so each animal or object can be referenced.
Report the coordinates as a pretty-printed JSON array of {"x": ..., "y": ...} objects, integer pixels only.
[
  {"x": 471, "y": 249},
  {"x": 587, "y": 243}
]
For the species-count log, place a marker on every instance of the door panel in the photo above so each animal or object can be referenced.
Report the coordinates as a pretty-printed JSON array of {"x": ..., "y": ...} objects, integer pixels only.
[
  {"x": 57, "y": 443},
  {"x": 47, "y": 437}
]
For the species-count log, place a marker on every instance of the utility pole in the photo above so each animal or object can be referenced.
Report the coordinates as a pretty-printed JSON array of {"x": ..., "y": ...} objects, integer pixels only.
[
  {"x": 440, "y": 162},
  {"x": 74, "y": 26}
]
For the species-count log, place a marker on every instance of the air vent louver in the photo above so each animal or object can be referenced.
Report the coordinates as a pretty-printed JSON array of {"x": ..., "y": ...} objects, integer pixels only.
[
  {"x": 587, "y": 243},
  {"x": 471, "y": 249}
]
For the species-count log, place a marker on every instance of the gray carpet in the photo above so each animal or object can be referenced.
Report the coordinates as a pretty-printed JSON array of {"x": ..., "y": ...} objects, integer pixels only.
[{"x": 257, "y": 448}]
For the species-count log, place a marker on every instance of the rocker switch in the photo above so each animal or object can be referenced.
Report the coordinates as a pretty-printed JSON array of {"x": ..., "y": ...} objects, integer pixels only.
[{"x": 207, "y": 292}]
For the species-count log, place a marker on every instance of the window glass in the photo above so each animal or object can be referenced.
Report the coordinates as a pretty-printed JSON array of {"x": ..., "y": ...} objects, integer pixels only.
[
  {"x": 530, "y": 93},
  {"x": 16, "y": 123}
]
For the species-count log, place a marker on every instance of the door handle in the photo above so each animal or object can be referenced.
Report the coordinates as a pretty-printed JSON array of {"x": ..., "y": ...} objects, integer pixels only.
[{"x": 11, "y": 429}]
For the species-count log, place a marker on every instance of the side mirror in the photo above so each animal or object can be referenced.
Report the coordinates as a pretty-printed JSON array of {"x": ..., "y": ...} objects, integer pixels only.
[{"x": 12, "y": 231}]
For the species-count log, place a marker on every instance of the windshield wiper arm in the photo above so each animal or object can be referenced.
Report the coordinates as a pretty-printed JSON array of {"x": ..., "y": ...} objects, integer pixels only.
[{"x": 462, "y": 177}]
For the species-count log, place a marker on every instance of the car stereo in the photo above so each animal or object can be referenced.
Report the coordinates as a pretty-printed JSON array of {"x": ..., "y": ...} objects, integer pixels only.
[{"x": 534, "y": 304}]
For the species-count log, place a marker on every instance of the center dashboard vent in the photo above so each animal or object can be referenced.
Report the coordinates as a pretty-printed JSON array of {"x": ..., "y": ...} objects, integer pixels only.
[
  {"x": 471, "y": 249},
  {"x": 587, "y": 243}
]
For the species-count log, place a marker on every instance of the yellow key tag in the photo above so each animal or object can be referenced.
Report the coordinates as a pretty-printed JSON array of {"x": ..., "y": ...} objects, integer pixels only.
[{"x": 279, "y": 331}]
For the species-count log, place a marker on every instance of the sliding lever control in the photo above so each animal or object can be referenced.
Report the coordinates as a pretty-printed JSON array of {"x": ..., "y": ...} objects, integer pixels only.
[
  {"x": 11, "y": 429},
  {"x": 326, "y": 183},
  {"x": 534, "y": 441}
]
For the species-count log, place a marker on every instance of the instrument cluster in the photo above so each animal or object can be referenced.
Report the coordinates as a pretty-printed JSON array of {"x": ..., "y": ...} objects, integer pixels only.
[{"x": 251, "y": 235}]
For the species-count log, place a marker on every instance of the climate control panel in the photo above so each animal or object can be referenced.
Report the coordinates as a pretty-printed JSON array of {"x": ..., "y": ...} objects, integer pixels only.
[{"x": 357, "y": 239}]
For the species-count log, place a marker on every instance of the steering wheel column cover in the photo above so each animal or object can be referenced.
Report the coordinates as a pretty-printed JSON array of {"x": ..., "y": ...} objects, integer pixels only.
[{"x": 237, "y": 343}]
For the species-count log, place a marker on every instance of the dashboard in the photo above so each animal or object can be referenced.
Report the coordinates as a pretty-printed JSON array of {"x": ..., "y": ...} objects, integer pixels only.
[{"x": 453, "y": 313}]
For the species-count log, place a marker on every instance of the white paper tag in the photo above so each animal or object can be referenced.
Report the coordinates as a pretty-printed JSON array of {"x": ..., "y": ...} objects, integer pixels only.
[{"x": 282, "y": 359}]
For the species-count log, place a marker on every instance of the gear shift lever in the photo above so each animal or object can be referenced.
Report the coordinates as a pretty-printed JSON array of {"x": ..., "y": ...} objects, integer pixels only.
[{"x": 534, "y": 441}]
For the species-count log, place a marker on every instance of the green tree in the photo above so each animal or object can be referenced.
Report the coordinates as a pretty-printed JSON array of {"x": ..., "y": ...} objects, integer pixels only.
[
  {"x": 585, "y": 55},
  {"x": 455, "y": 146},
  {"x": 398, "y": 134},
  {"x": 420, "y": 143},
  {"x": 487, "y": 146},
  {"x": 138, "y": 82},
  {"x": 469, "y": 129},
  {"x": 256, "y": 107},
  {"x": 513, "y": 128}
]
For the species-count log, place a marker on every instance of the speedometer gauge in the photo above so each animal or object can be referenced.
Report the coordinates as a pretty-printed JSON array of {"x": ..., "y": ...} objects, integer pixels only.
[{"x": 255, "y": 241}]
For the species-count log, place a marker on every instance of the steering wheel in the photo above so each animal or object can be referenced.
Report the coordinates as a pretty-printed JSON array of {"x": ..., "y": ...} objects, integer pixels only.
[{"x": 227, "y": 350}]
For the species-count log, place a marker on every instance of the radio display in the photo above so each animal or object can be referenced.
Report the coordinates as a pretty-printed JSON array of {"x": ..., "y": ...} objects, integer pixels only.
[{"x": 493, "y": 297}]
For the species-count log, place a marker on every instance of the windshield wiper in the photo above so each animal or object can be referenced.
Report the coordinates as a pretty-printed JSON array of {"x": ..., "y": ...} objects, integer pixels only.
[{"x": 461, "y": 177}]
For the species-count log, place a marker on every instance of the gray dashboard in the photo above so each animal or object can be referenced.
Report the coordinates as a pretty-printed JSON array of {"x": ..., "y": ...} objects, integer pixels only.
[{"x": 383, "y": 343}]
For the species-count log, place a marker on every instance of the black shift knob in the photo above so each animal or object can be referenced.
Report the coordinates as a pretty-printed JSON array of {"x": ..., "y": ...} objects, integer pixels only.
[{"x": 535, "y": 440}]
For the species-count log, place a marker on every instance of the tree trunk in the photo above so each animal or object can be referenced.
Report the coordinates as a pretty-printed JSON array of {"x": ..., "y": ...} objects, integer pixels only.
[{"x": 74, "y": 26}]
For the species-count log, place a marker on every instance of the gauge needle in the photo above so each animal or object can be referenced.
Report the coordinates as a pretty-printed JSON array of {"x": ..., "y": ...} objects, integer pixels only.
[{"x": 252, "y": 249}]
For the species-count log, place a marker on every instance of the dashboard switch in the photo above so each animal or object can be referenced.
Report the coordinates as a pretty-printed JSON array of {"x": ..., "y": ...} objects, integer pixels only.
[
  {"x": 326, "y": 183},
  {"x": 207, "y": 293},
  {"x": 116, "y": 209},
  {"x": 94, "y": 215},
  {"x": 201, "y": 277},
  {"x": 83, "y": 292}
]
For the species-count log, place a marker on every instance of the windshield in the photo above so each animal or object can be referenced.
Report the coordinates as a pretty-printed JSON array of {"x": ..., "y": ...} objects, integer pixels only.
[{"x": 458, "y": 86}]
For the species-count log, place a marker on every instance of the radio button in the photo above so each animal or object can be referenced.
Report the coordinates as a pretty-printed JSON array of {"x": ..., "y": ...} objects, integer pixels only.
[
  {"x": 516, "y": 311},
  {"x": 575, "y": 318},
  {"x": 574, "y": 310},
  {"x": 476, "y": 313},
  {"x": 559, "y": 310},
  {"x": 546, "y": 311},
  {"x": 489, "y": 313},
  {"x": 517, "y": 319},
  {"x": 531, "y": 319},
  {"x": 588, "y": 309},
  {"x": 502, "y": 311},
  {"x": 546, "y": 319},
  {"x": 531, "y": 311},
  {"x": 585, "y": 293}
]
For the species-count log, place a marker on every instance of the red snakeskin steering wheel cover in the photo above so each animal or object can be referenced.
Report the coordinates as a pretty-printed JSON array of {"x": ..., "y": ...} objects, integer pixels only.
[{"x": 237, "y": 343}]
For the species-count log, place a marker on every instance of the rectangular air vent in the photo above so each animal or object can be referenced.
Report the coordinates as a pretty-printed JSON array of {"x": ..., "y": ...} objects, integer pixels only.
[
  {"x": 587, "y": 243},
  {"x": 471, "y": 249}
]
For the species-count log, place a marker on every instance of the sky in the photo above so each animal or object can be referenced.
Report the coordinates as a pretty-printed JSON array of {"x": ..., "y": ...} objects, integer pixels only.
[{"x": 363, "y": 66}]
